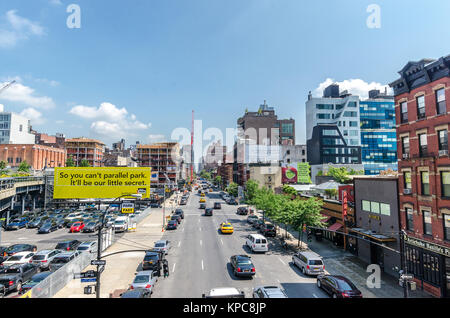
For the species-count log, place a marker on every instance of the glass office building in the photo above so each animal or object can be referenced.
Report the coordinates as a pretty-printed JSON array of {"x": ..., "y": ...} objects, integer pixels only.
[{"x": 378, "y": 134}]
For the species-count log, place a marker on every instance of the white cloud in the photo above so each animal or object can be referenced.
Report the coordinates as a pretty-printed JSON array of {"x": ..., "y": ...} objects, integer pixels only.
[
  {"x": 106, "y": 111},
  {"x": 102, "y": 128},
  {"x": 26, "y": 95},
  {"x": 354, "y": 86},
  {"x": 34, "y": 116},
  {"x": 17, "y": 28}
]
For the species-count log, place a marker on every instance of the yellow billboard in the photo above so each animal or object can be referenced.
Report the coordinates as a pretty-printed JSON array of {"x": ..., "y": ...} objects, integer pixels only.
[{"x": 100, "y": 183}]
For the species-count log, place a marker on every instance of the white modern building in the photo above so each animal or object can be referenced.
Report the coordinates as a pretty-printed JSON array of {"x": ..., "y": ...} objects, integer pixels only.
[{"x": 15, "y": 129}]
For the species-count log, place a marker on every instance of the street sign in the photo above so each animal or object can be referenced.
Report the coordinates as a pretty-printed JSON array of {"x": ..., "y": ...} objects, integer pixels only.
[
  {"x": 89, "y": 280},
  {"x": 98, "y": 262},
  {"x": 101, "y": 268},
  {"x": 88, "y": 274},
  {"x": 127, "y": 207}
]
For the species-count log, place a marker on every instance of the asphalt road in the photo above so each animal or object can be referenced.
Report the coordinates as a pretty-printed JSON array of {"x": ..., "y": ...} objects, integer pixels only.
[{"x": 200, "y": 254}]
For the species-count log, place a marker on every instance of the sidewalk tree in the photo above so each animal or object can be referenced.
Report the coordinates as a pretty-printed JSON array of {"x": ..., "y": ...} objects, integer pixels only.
[
  {"x": 70, "y": 162},
  {"x": 305, "y": 213},
  {"x": 232, "y": 189},
  {"x": 218, "y": 180},
  {"x": 206, "y": 175},
  {"x": 251, "y": 189}
]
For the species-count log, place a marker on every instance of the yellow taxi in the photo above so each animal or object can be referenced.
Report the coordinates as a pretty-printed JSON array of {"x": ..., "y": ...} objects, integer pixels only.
[
  {"x": 226, "y": 228},
  {"x": 202, "y": 200}
]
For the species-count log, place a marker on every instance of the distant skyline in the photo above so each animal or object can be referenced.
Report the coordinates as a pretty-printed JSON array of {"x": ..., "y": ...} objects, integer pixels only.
[{"x": 136, "y": 70}]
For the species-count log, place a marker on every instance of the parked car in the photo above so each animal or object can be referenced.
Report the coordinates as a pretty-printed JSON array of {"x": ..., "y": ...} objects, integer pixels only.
[
  {"x": 257, "y": 243},
  {"x": 224, "y": 292},
  {"x": 16, "y": 248},
  {"x": 310, "y": 263},
  {"x": 217, "y": 206},
  {"x": 68, "y": 245},
  {"x": 146, "y": 280},
  {"x": 2, "y": 254},
  {"x": 162, "y": 246},
  {"x": 136, "y": 293},
  {"x": 208, "y": 212},
  {"x": 268, "y": 229},
  {"x": 242, "y": 210},
  {"x": 338, "y": 286},
  {"x": 13, "y": 276},
  {"x": 180, "y": 212},
  {"x": 155, "y": 205},
  {"x": 176, "y": 217},
  {"x": 172, "y": 225},
  {"x": 36, "y": 279},
  {"x": 202, "y": 206},
  {"x": 18, "y": 258},
  {"x": 152, "y": 261},
  {"x": 62, "y": 259},
  {"x": 257, "y": 223},
  {"x": 268, "y": 292},
  {"x": 242, "y": 265},
  {"x": 2, "y": 291},
  {"x": 251, "y": 219},
  {"x": 17, "y": 224},
  {"x": 43, "y": 258},
  {"x": 183, "y": 202},
  {"x": 48, "y": 227},
  {"x": 35, "y": 223},
  {"x": 91, "y": 226},
  {"x": 88, "y": 246}
]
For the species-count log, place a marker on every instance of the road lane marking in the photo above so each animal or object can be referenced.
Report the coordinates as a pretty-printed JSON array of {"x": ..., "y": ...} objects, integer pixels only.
[
  {"x": 179, "y": 243},
  {"x": 221, "y": 241},
  {"x": 202, "y": 266},
  {"x": 199, "y": 229},
  {"x": 281, "y": 261},
  {"x": 173, "y": 268},
  {"x": 278, "y": 281},
  {"x": 200, "y": 242}
]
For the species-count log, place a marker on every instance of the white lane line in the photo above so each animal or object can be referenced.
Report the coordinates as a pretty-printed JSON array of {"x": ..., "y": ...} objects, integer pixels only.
[
  {"x": 179, "y": 243},
  {"x": 199, "y": 229},
  {"x": 200, "y": 242},
  {"x": 281, "y": 261},
  {"x": 182, "y": 230},
  {"x": 315, "y": 296},
  {"x": 278, "y": 281},
  {"x": 173, "y": 268},
  {"x": 202, "y": 266},
  {"x": 221, "y": 241}
]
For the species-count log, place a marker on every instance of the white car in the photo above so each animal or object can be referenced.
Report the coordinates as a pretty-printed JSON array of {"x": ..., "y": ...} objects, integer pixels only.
[
  {"x": 88, "y": 246},
  {"x": 257, "y": 243},
  {"x": 19, "y": 258},
  {"x": 120, "y": 225}
]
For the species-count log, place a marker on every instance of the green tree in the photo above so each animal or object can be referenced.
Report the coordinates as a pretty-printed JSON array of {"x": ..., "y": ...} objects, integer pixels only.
[
  {"x": 206, "y": 175},
  {"x": 24, "y": 167},
  {"x": 251, "y": 188},
  {"x": 3, "y": 169},
  {"x": 289, "y": 190},
  {"x": 320, "y": 173},
  {"x": 305, "y": 213},
  {"x": 339, "y": 174},
  {"x": 232, "y": 189},
  {"x": 84, "y": 163},
  {"x": 218, "y": 180},
  {"x": 70, "y": 162},
  {"x": 331, "y": 192}
]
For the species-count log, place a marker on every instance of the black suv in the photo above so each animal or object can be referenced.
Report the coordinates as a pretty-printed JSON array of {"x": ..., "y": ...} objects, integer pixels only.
[
  {"x": 208, "y": 212},
  {"x": 217, "y": 205},
  {"x": 242, "y": 210},
  {"x": 13, "y": 276},
  {"x": 176, "y": 217},
  {"x": 153, "y": 261},
  {"x": 180, "y": 213},
  {"x": 268, "y": 230},
  {"x": 202, "y": 206},
  {"x": 68, "y": 245}
]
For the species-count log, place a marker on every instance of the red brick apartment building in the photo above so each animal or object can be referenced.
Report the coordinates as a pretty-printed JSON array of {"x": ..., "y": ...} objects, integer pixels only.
[
  {"x": 84, "y": 148},
  {"x": 37, "y": 156},
  {"x": 422, "y": 110}
]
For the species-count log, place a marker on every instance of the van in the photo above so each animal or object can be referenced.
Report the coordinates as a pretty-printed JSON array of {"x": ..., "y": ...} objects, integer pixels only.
[
  {"x": 257, "y": 243},
  {"x": 310, "y": 263}
]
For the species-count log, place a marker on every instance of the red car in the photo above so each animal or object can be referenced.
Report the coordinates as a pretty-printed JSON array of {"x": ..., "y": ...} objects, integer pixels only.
[{"x": 76, "y": 227}]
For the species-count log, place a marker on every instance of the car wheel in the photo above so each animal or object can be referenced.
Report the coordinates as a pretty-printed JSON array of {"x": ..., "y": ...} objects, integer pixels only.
[{"x": 319, "y": 284}]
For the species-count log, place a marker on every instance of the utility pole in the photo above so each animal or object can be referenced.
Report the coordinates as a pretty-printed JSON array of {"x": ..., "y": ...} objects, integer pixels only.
[{"x": 405, "y": 267}]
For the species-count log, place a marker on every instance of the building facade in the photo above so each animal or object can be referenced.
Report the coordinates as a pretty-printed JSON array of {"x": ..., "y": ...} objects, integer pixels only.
[
  {"x": 378, "y": 133},
  {"x": 84, "y": 148},
  {"x": 164, "y": 159},
  {"x": 15, "y": 129},
  {"x": 38, "y": 157},
  {"x": 266, "y": 175},
  {"x": 57, "y": 141},
  {"x": 293, "y": 154},
  {"x": 422, "y": 110},
  {"x": 377, "y": 222}
]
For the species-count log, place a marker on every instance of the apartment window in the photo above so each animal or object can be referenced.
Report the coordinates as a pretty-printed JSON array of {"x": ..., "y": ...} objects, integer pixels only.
[
  {"x": 375, "y": 207},
  {"x": 431, "y": 271},
  {"x": 352, "y": 104},
  {"x": 287, "y": 128},
  {"x": 365, "y": 205},
  {"x": 353, "y": 124},
  {"x": 325, "y": 106},
  {"x": 446, "y": 226},
  {"x": 405, "y": 145},
  {"x": 323, "y": 116},
  {"x": 345, "y": 133},
  {"x": 18, "y": 160},
  {"x": 303, "y": 152},
  {"x": 409, "y": 219},
  {"x": 445, "y": 184},
  {"x": 350, "y": 114},
  {"x": 440, "y": 101},
  {"x": 10, "y": 160},
  {"x": 427, "y": 222},
  {"x": 404, "y": 112},
  {"x": 20, "y": 127},
  {"x": 443, "y": 139},
  {"x": 328, "y": 132},
  {"x": 423, "y": 142},
  {"x": 353, "y": 133},
  {"x": 407, "y": 176},
  {"x": 425, "y": 181},
  {"x": 420, "y": 107}
]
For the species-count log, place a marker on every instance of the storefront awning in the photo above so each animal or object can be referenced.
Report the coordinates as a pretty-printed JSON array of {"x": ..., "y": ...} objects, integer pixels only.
[
  {"x": 373, "y": 235},
  {"x": 335, "y": 227}
]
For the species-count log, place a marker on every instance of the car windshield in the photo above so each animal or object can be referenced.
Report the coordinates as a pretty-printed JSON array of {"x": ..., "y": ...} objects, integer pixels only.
[
  {"x": 11, "y": 270},
  {"x": 38, "y": 257},
  {"x": 77, "y": 224},
  {"x": 172, "y": 222},
  {"x": 60, "y": 260},
  {"x": 160, "y": 245},
  {"x": 83, "y": 248},
  {"x": 119, "y": 222},
  {"x": 315, "y": 262},
  {"x": 38, "y": 279},
  {"x": 344, "y": 285},
  {"x": 91, "y": 224},
  {"x": 141, "y": 279},
  {"x": 62, "y": 246},
  {"x": 152, "y": 257},
  {"x": 14, "y": 258}
]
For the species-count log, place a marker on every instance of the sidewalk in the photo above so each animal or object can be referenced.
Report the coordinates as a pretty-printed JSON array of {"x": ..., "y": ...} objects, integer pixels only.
[
  {"x": 120, "y": 269},
  {"x": 340, "y": 262}
]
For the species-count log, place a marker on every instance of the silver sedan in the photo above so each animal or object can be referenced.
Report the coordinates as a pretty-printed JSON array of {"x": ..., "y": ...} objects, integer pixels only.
[{"x": 144, "y": 279}]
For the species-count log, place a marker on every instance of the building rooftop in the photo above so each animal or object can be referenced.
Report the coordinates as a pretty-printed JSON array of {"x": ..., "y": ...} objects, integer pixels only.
[{"x": 84, "y": 139}]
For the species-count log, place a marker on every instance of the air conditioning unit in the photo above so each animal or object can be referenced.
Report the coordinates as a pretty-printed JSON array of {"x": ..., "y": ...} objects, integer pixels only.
[
  {"x": 407, "y": 191},
  {"x": 443, "y": 153},
  {"x": 406, "y": 156}
]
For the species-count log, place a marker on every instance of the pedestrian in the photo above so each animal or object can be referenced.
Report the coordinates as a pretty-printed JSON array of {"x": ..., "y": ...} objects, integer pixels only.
[{"x": 166, "y": 268}]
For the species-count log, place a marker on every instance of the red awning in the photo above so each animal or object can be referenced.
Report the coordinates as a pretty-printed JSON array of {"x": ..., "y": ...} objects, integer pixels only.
[
  {"x": 335, "y": 227},
  {"x": 326, "y": 218}
]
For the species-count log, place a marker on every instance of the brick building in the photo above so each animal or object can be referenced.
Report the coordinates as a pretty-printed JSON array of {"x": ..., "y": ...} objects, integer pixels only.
[
  {"x": 422, "y": 108},
  {"x": 37, "y": 156},
  {"x": 84, "y": 148}
]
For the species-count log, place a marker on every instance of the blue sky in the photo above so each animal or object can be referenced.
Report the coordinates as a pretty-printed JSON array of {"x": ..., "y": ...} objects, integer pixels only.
[{"x": 137, "y": 68}]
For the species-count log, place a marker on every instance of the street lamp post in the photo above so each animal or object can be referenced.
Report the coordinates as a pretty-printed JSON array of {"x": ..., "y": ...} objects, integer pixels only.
[{"x": 99, "y": 238}]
